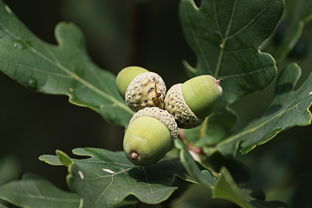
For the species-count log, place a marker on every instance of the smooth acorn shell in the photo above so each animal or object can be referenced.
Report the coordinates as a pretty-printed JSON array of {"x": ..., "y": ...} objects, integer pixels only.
[
  {"x": 149, "y": 136},
  {"x": 125, "y": 76},
  {"x": 200, "y": 93},
  {"x": 193, "y": 100}
]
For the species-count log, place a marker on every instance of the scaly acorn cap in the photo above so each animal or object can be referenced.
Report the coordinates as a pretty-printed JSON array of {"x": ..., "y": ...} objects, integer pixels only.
[
  {"x": 193, "y": 100},
  {"x": 146, "y": 90},
  {"x": 162, "y": 115},
  {"x": 177, "y": 107},
  {"x": 149, "y": 136}
]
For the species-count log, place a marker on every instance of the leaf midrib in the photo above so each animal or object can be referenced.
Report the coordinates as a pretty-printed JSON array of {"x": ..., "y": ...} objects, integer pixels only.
[
  {"x": 234, "y": 137},
  {"x": 70, "y": 73},
  {"x": 227, "y": 37},
  {"x": 100, "y": 195}
]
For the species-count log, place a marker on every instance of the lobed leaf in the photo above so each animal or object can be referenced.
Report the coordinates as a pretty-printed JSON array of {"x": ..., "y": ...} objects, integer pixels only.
[
  {"x": 226, "y": 36},
  {"x": 298, "y": 14},
  {"x": 289, "y": 108},
  {"x": 63, "y": 69},
  {"x": 106, "y": 178},
  {"x": 216, "y": 127},
  {"x": 226, "y": 188},
  {"x": 221, "y": 184},
  {"x": 36, "y": 192},
  {"x": 201, "y": 176}
]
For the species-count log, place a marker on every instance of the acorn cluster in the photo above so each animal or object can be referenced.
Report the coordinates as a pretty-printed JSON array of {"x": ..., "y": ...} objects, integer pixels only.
[{"x": 154, "y": 126}]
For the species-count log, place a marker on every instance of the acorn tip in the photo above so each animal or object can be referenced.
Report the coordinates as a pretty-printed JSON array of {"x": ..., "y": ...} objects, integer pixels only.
[
  {"x": 219, "y": 81},
  {"x": 134, "y": 156}
]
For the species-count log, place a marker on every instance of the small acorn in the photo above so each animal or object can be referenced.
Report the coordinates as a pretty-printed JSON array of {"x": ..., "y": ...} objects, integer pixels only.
[
  {"x": 141, "y": 88},
  {"x": 149, "y": 135},
  {"x": 193, "y": 100}
]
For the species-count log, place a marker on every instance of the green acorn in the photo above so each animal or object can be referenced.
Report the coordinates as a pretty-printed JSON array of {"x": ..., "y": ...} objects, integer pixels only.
[
  {"x": 141, "y": 88},
  {"x": 149, "y": 135},
  {"x": 193, "y": 100}
]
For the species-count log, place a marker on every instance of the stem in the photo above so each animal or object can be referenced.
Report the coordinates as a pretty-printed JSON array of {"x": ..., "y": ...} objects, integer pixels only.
[
  {"x": 196, "y": 149},
  {"x": 219, "y": 81}
]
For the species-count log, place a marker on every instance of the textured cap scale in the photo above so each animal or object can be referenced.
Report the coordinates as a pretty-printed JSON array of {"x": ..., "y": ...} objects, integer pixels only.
[
  {"x": 162, "y": 115},
  {"x": 146, "y": 90},
  {"x": 176, "y": 105}
]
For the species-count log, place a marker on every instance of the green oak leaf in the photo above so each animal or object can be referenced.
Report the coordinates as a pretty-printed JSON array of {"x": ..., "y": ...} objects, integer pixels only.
[
  {"x": 298, "y": 14},
  {"x": 128, "y": 203},
  {"x": 63, "y": 69},
  {"x": 106, "y": 178},
  {"x": 289, "y": 108},
  {"x": 221, "y": 184},
  {"x": 216, "y": 127},
  {"x": 201, "y": 176},
  {"x": 226, "y": 36},
  {"x": 226, "y": 188},
  {"x": 36, "y": 192}
]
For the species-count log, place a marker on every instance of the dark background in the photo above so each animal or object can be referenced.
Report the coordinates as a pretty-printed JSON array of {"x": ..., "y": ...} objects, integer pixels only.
[{"x": 147, "y": 33}]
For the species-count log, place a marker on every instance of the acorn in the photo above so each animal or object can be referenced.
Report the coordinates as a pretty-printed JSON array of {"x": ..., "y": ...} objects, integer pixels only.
[
  {"x": 149, "y": 135},
  {"x": 141, "y": 88},
  {"x": 193, "y": 100}
]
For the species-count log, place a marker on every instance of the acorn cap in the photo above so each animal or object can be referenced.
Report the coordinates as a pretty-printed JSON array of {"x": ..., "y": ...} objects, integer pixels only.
[
  {"x": 176, "y": 106},
  {"x": 146, "y": 90},
  {"x": 162, "y": 115}
]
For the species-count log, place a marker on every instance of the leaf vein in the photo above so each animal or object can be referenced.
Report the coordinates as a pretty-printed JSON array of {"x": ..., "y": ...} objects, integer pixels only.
[
  {"x": 104, "y": 191},
  {"x": 146, "y": 180},
  {"x": 72, "y": 74},
  {"x": 250, "y": 22},
  {"x": 45, "y": 72},
  {"x": 232, "y": 138},
  {"x": 224, "y": 40},
  {"x": 217, "y": 19},
  {"x": 245, "y": 74}
]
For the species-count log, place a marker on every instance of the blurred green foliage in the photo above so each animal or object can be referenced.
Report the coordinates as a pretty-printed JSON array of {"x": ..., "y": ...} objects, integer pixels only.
[{"x": 146, "y": 33}]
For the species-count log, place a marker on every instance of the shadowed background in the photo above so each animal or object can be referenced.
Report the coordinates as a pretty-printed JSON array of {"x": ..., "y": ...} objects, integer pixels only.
[{"x": 145, "y": 33}]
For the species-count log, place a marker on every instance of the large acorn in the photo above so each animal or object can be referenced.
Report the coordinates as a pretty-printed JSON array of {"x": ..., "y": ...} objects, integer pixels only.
[
  {"x": 149, "y": 135},
  {"x": 141, "y": 88},
  {"x": 193, "y": 100}
]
